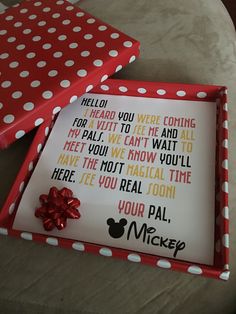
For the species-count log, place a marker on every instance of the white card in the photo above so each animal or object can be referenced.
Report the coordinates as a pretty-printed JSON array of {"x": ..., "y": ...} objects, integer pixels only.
[{"x": 143, "y": 169}]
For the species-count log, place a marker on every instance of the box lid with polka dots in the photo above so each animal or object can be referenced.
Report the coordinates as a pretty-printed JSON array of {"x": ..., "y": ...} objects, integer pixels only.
[{"x": 51, "y": 53}]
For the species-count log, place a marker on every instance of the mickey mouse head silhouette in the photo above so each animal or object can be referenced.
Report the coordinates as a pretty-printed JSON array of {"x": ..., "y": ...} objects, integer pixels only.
[{"x": 116, "y": 229}]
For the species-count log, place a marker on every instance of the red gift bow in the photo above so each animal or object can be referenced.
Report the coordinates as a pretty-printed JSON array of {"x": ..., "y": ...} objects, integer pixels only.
[{"x": 56, "y": 207}]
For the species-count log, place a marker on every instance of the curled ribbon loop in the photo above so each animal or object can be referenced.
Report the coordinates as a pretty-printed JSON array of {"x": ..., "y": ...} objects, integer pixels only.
[{"x": 56, "y": 207}]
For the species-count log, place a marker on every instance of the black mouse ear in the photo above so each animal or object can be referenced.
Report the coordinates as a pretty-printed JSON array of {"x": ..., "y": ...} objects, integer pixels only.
[
  {"x": 123, "y": 222},
  {"x": 110, "y": 221}
]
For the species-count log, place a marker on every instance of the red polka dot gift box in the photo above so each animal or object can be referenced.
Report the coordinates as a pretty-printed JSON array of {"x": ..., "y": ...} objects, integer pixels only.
[
  {"x": 51, "y": 53},
  {"x": 154, "y": 158}
]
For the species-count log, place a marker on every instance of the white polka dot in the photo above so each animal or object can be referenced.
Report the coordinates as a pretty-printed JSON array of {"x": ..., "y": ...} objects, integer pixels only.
[
  {"x": 47, "y": 94},
  {"x": 32, "y": 17},
  {"x": 52, "y": 73},
  {"x": 134, "y": 258},
  {"x": 88, "y": 36},
  {"x": 69, "y": 63},
  {"x": 21, "y": 186},
  {"x": 225, "y": 212},
  {"x": 104, "y": 78},
  {"x": 47, "y": 46},
  {"x": 46, "y": 131},
  {"x": 201, "y": 94},
  {"x": 224, "y": 275},
  {"x": 76, "y": 29},
  {"x": 161, "y": 92},
  {"x": 52, "y": 30},
  {"x": 113, "y": 53},
  {"x": 226, "y": 266},
  {"x": 52, "y": 241},
  {"x": 31, "y": 55},
  {"x": 65, "y": 83},
  {"x": 80, "y": 14},
  {"x": 37, "y": 4},
  {"x": 224, "y": 92},
  {"x": 225, "y": 143},
  {"x": 19, "y": 134},
  {"x": 38, "y": 121},
  {"x": 90, "y": 21},
  {"x": 115, "y": 35},
  {"x": 42, "y": 23},
  {"x": 225, "y": 187},
  {"x": 36, "y": 38},
  {"x": 73, "y": 45},
  {"x": 27, "y": 31},
  {"x": 132, "y": 59},
  {"x": 81, "y": 73},
  {"x": 181, "y": 93},
  {"x": 56, "y": 110},
  {"x": 104, "y": 87},
  {"x": 225, "y": 124},
  {"x": 66, "y": 22},
  {"x": 3, "y": 31},
  {"x": 105, "y": 252},
  {"x": 196, "y": 270},
  {"x": 9, "y": 18},
  {"x": 225, "y": 107},
  {"x": 57, "y": 54},
  {"x": 24, "y": 73},
  {"x": 225, "y": 164},
  {"x": 102, "y": 28},
  {"x": 163, "y": 263},
  {"x": 100, "y": 44},
  {"x": 31, "y": 166},
  {"x": 9, "y": 118},
  {"x": 225, "y": 240},
  {"x": 14, "y": 64},
  {"x": 62, "y": 37},
  {"x": 35, "y": 83},
  {"x": 1, "y": 105},
  {"x": 39, "y": 147},
  {"x": 88, "y": 88},
  {"x": 56, "y": 15},
  {"x": 47, "y": 9},
  {"x": 6, "y": 84},
  {"x": 4, "y": 56},
  {"x": 78, "y": 246},
  {"x": 85, "y": 53},
  {"x": 69, "y": 8},
  {"x": 23, "y": 11},
  {"x": 20, "y": 47},
  {"x": 73, "y": 98},
  {"x": 98, "y": 63},
  {"x": 123, "y": 89},
  {"x": 142, "y": 90},
  {"x": 128, "y": 44},
  {"x": 60, "y": 2},
  {"x": 119, "y": 67},
  {"x": 18, "y": 24},
  {"x": 11, "y": 208},
  {"x": 3, "y": 231},
  {"x": 11, "y": 39},
  {"x": 17, "y": 95},
  {"x": 41, "y": 64}
]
